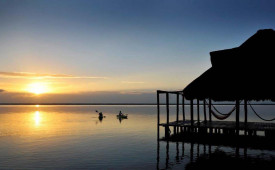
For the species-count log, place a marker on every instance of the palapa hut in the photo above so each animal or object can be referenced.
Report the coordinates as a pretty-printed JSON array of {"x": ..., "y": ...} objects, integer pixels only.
[
  {"x": 244, "y": 72},
  {"x": 239, "y": 74}
]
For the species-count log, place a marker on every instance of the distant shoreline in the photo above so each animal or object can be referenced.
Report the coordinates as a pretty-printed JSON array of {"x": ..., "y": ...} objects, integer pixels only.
[{"x": 117, "y": 104}]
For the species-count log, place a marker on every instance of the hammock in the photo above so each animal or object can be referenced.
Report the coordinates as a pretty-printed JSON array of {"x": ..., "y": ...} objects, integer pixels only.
[
  {"x": 221, "y": 117},
  {"x": 225, "y": 114},
  {"x": 259, "y": 115}
]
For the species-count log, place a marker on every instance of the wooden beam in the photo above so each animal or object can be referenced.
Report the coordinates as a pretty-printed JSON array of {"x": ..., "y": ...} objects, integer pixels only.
[
  {"x": 183, "y": 108},
  {"x": 172, "y": 92},
  {"x": 191, "y": 112},
  {"x": 167, "y": 116},
  {"x": 245, "y": 112},
  {"x": 210, "y": 115},
  {"x": 158, "y": 112},
  {"x": 167, "y": 108},
  {"x": 178, "y": 96},
  {"x": 237, "y": 116},
  {"x": 245, "y": 116},
  {"x": 204, "y": 110},
  {"x": 198, "y": 111}
]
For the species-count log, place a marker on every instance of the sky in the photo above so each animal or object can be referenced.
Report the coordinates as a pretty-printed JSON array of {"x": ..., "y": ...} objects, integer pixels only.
[{"x": 116, "y": 50}]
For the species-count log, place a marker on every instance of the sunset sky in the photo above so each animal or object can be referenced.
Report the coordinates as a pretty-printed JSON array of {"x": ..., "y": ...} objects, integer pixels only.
[{"x": 116, "y": 50}]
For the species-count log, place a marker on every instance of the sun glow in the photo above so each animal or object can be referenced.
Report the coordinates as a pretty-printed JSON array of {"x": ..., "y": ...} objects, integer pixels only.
[
  {"x": 38, "y": 88},
  {"x": 37, "y": 118}
]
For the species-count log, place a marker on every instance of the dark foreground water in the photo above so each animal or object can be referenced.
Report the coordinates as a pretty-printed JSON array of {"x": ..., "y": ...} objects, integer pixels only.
[{"x": 72, "y": 137}]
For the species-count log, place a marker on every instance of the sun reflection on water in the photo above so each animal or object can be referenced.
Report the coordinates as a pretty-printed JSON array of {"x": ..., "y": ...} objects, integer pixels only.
[{"x": 37, "y": 118}]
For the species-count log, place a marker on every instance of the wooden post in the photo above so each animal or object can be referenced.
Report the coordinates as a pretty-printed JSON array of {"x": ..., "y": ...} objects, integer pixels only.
[
  {"x": 237, "y": 116},
  {"x": 204, "y": 110},
  {"x": 167, "y": 115},
  {"x": 198, "y": 110},
  {"x": 177, "y": 107},
  {"x": 183, "y": 109},
  {"x": 210, "y": 115},
  {"x": 178, "y": 98},
  {"x": 245, "y": 116},
  {"x": 158, "y": 112},
  {"x": 191, "y": 112},
  {"x": 245, "y": 112}
]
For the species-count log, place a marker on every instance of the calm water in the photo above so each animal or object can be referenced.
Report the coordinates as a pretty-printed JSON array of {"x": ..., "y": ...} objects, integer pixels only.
[{"x": 72, "y": 137}]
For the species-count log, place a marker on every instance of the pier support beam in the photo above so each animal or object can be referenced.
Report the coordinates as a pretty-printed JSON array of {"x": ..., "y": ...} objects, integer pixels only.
[
  {"x": 178, "y": 98},
  {"x": 183, "y": 108},
  {"x": 198, "y": 111},
  {"x": 158, "y": 112},
  {"x": 167, "y": 116},
  {"x": 245, "y": 116},
  {"x": 191, "y": 112},
  {"x": 237, "y": 116},
  {"x": 204, "y": 110},
  {"x": 210, "y": 115}
]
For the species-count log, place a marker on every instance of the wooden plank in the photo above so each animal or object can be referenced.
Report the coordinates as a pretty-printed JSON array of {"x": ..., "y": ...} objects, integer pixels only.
[{"x": 258, "y": 126}]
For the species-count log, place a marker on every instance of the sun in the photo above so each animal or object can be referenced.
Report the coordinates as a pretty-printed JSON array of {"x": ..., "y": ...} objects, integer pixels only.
[{"x": 38, "y": 88}]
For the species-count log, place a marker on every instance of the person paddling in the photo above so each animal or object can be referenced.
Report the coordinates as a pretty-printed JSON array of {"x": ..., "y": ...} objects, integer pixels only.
[{"x": 100, "y": 114}]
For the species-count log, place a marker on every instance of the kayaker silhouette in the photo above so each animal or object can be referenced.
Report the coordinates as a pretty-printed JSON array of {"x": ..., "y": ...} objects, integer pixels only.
[{"x": 100, "y": 114}]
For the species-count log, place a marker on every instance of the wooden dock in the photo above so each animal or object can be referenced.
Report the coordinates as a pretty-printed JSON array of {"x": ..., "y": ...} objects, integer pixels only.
[
  {"x": 220, "y": 127},
  {"x": 206, "y": 125}
]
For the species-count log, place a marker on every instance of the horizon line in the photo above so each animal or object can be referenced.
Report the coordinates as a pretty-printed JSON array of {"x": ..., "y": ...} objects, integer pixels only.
[{"x": 152, "y": 104}]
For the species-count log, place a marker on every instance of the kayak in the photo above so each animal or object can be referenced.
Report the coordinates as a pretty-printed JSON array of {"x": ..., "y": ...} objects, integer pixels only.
[{"x": 122, "y": 116}]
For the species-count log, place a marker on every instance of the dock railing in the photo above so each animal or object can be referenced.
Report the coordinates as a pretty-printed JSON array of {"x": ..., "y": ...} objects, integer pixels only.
[{"x": 207, "y": 125}]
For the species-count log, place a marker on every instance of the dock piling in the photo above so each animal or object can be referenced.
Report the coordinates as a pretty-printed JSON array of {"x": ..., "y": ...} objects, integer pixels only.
[
  {"x": 198, "y": 110},
  {"x": 167, "y": 116},
  {"x": 237, "y": 116},
  {"x": 158, "y": 112},
  {"x": 183, "y": 109},
  {"x": 204, "y": 110},
  {"x": 191, "y": 112}
]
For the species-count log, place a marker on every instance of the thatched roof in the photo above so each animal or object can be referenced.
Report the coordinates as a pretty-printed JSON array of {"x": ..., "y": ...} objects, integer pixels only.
[{"x": 245, "y": 72}]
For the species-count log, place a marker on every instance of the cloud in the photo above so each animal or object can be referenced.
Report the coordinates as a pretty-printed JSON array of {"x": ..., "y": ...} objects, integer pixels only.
[
  {"x": 39, "y": 76},
  {"x": 132, "y": 82}
]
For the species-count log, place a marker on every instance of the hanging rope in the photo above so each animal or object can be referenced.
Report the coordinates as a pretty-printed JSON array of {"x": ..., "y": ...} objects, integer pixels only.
[
  {"x": 259, "y": 115},
  {"x": 224, "y": 114},
  {"x": 219, "y": 116}
]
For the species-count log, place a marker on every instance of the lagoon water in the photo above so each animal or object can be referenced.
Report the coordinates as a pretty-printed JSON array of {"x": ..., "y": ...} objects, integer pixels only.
[{"x": 72, "y": 137}]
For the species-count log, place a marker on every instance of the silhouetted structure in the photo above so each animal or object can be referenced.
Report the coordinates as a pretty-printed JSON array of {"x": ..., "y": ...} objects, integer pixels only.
[
  {"x": 239, "y": 74},
  {"x": 242, "y": 73}
]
